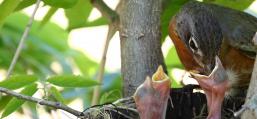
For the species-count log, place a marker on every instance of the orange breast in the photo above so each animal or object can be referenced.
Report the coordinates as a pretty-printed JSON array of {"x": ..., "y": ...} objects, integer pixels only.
[{"x": 235, "y": 60}]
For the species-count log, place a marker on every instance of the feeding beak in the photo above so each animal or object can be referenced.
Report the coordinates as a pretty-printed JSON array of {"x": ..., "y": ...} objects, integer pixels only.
[
  {"x": 214, "y": 85},
  {"x": 218, "y": 74}
]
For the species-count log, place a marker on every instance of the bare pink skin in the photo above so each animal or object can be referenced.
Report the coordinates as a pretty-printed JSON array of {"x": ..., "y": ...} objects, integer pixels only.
[
  {"x": 151, "y": 98},
  {"x": 215, "y": 85}
]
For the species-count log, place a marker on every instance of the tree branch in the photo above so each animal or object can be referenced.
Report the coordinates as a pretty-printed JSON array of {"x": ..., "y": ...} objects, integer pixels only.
[
  {"x": 56, "y": 105},
  {"x": 113, "y": 27},
  {"x": 21, "y": 43},
  {"x": 106, "y": 11}
]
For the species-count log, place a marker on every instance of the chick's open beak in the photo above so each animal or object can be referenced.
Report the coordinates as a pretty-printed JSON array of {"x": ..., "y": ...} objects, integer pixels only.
[{"x": 214, "y": 85}]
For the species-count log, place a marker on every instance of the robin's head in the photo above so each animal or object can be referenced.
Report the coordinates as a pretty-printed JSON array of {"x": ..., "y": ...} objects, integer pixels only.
[{"x": 200, "y": 31}]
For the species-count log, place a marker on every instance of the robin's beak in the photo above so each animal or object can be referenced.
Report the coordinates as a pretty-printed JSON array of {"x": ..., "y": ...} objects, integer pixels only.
[{"x": 218, "y": 73}]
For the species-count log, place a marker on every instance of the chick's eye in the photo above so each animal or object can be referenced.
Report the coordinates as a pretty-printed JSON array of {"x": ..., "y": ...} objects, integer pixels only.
[{"x": 192, "y": 44}]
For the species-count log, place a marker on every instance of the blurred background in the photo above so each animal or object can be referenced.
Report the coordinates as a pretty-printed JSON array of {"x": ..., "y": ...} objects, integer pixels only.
[{"x": 67, "y": 41}]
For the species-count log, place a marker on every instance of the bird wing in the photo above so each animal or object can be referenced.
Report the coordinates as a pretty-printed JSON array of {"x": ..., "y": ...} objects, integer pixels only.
[{"x": 238, "y": 28}]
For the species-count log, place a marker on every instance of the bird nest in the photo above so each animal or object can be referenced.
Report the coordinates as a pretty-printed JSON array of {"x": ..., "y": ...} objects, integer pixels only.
[{"x": 183, "y": 104}]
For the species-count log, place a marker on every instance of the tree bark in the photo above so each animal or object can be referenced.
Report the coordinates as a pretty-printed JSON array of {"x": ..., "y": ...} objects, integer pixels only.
[{"x": 140, "y": 41}]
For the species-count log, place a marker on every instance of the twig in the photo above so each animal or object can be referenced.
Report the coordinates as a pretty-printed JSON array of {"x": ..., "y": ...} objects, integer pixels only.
[
  {"x": 113, "y": 27},
  {"x": 105, "y": 10},
  {"x": 100, "y": 74},
  {"x": 56, "y": 105},
  {"x": 21, "y": 43}
]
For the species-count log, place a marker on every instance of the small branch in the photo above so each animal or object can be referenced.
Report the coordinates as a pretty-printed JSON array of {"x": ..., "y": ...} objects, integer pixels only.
[
  {"x": 105, "y": 10},
  {"x": 56, "y": 105},
  {"x": 100, "y": 75},
  {"x": 113, "y": 27},
  {"x": 23, "y": 38}
]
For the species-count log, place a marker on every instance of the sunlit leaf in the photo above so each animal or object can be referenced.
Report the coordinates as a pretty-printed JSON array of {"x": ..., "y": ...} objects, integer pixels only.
[
  {"x": 15, "y": 103},
  {"x": 235, "y": 4},
  {"x": 97, "y": 22},
  {"x": 18, "y": 81},
  {"x": 175, "y": 82},
  {"x": 61, "y": 3},
  {"x": 48, "y": 16},
  {"x": 25, "y": 3},
  {"x": 6, "y": 8},
  {"x": 72, "y": 81},
  {"x": 79, "y": 14},
  {"x": 51, "y": 33},
  {"x": 43, "y": 46},
  {"x": 110, "y": 96},
  {"x": 172, "y": 60}
]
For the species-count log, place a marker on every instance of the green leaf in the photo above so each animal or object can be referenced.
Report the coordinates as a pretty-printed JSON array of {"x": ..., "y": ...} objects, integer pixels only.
[
  {"x": 176, "y": 83},
  {"x": 97, "y": 22},
  {"x": 48, "y": 16},
  {"x": 4, "y": 100},
  {"x": 51, "y": 34},
  {"x": 6, "y": 8},
  {"x": 25, "y": 3},
  {"x": 72, "y": 81},
  {"x": 18, "y": 81},
  {"x": 172, "y": 60},
  {"x": 235, "y": 4},
  {"x": 15, "y": 103},
  {"x": 56, "y": 95},
  {"x": 61, "y": 3},
  {"x": 44, "y": 45},
  {"x": 170, "y": 8},
  {"x": 110, "y": 96},
  {"x": 77, "y": 15}
]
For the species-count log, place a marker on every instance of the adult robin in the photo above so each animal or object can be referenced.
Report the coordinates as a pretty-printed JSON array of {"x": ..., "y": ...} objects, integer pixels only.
[{"x": 215, "y": 45}]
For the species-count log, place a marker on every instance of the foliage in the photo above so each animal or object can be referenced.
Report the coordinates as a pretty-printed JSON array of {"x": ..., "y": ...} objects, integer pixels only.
[
  {"x": 48, "y": 43},
  {"x": 15, "y": 103},
  {"x": 71, "y": 81}
]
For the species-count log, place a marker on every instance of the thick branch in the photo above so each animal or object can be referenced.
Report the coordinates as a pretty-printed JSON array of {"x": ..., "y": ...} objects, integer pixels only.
[
  {"x": 140, "y": 36},
  {"x": 56, "y": 105},
  {"x": 105, "y": 10}
]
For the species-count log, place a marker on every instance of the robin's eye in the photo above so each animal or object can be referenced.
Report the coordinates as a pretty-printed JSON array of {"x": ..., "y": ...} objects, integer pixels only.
[{"x": 193, "y": 45}]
